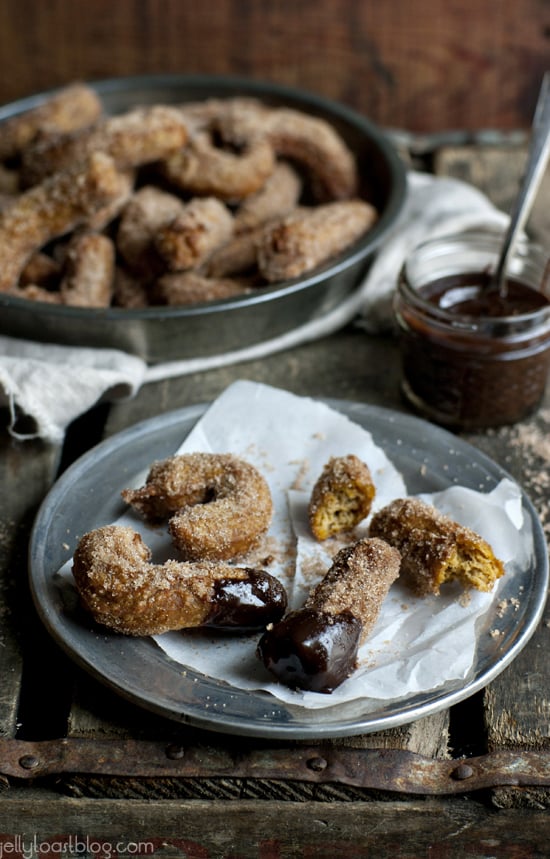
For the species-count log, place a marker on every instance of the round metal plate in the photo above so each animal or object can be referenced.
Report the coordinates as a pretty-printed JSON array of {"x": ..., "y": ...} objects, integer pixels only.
[
  {"x": 169, "y": 333},
  {"x": 88, "y": 495}
]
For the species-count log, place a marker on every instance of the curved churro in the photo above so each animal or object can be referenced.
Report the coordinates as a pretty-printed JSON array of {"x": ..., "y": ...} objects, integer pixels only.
[
  {"x": 217, "y": 504},
  {"x": 188, "y": 287},
  {"x": 278, "y": 196},
  {"x": 124, "y": 591},
  {"x": 311, "y": 236},
  {"x": 187, "y": 240},
  {"x": 139, "y": 136},
  {"x": 73, "y": 107},
  {"x": 203, "y": 168},
  {"x": 51, "y": 209}
]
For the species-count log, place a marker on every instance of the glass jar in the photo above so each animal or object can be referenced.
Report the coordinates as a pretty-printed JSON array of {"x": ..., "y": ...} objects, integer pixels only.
[{"x": 470, "y": 358}]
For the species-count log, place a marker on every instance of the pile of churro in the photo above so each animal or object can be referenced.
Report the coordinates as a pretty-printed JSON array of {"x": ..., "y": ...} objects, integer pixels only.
[{"x": 170, "y": 204}]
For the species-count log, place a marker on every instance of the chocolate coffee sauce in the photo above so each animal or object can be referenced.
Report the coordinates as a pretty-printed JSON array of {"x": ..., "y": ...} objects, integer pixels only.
[
  {"x": 311, "y": 650},
  {"x": 246, "y": 605}
]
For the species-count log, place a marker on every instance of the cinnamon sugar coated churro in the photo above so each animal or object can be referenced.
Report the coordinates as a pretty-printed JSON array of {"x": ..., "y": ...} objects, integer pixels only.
[
  {"x": 315, "y": 647},
  {"x": 309, "y": 237},
  {"x": 218, "y": 505},
  {"x": 74, "y": 107},
  {"x": 51, "y": 209},
  {"x": 434, "y": 548},
  {"x": 123, "y": 590},
  {"x": 223, "y": 188},
  {"x": 341, "y": 497}
]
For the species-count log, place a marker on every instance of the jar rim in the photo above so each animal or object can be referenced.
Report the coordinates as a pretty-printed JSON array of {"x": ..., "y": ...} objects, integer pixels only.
[{"x": 483, "y": 240}]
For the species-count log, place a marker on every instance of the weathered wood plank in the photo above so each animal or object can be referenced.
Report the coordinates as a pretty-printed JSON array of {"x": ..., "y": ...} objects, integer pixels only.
[
  {"x": 27, "y": 470},
  {"x": 454, "y": 65},
  {"x": 269, "y": 830}
]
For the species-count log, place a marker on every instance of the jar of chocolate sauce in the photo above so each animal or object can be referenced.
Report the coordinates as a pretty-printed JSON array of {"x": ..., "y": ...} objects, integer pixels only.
[{"x": 473, "y": 357}]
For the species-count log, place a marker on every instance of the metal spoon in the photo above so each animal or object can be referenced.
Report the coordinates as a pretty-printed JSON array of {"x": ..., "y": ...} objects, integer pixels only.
[{"x": 539, "y": 151}]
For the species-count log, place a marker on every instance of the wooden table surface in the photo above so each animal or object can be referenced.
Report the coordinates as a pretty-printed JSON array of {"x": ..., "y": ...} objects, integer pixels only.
[{"x": 205, "y": 810}]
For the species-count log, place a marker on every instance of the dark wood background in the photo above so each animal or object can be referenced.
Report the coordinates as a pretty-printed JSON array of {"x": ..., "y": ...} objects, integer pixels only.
[{"x": 422, "y": 65}]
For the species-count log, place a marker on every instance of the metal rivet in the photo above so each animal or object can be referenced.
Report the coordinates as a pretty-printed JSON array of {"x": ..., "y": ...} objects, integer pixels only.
[
  {"x": 317, "y": 764},
  {"x": 175, "y": 752},
  {"x": 461, "y": 772},
  {"x": 29, "y": 762}
]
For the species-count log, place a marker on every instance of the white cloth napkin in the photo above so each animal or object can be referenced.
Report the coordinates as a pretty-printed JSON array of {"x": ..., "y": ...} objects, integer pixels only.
[{"x": 52, "y": 385}]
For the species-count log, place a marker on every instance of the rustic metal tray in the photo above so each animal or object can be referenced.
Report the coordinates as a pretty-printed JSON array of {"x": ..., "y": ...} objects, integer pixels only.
[
  {"x": 88, "y": 495},
  {"x": 169, "y": 333}
]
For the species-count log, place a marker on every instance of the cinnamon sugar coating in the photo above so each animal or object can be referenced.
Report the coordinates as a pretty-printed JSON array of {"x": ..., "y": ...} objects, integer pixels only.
[
  {"x": 218, "y": 505},
  {"x": 341, "y": 497},
  {"x": 434, "y": 548},
  {"x": 74, "y": 107},
  {"x": 309, "y": 237},
  {"x": 357, "y": 582},
  {"x": 124, "y": 591},
  {"x": 58, "y": 205}
]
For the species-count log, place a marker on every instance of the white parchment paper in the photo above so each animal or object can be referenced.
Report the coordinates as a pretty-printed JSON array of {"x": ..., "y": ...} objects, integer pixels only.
[{"x": 418, "y": 644}]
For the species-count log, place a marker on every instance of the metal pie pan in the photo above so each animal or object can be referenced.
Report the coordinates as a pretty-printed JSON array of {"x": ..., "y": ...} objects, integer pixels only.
[
  {"x": 88, "y": 496},
  {"x": 160, "y": 334}
]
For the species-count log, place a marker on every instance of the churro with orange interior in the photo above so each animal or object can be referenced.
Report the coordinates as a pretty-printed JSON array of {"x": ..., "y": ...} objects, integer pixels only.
[{"x": 435, "y": 549}]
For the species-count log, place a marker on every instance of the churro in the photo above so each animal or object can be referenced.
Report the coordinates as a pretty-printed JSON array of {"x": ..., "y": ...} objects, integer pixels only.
[
  {"x": 311, "y": 236},
  {"x": 434, "y": 548},
  {"x": 123, "y": 590},
  {"x": 74, "y": 107},
  {"x": 315, "y": 647},
  {"x": 217, "y": 505},
  {"x": 53, "y": 208},
  {"x": 187, "y": 240}
]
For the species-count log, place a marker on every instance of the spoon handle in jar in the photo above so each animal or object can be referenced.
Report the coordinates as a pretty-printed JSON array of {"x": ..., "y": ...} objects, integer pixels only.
[{"x": 537, "y": 160}]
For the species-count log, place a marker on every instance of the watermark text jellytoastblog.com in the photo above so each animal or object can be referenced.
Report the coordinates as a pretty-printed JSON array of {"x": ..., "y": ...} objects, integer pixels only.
[{"x": 33, "y": 847}]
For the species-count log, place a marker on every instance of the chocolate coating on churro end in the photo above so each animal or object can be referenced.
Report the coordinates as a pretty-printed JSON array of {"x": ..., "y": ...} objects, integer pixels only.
[
  {"x": 434, "y": 548},
  {"x": 315, "y": 648},
  {"x": 311, "y": 650},
  {"x": 247, "y": 604},
  {"x": 124, "y": 591},
  {"x": 218, "y": 505},
  {"x": 341, "y": 497}
]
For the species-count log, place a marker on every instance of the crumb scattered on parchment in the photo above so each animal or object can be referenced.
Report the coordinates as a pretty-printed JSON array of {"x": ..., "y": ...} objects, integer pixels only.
[{"x": 300, "y": 474}]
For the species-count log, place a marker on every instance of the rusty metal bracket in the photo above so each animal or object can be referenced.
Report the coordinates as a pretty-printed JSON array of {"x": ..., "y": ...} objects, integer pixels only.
[{"x": 380, "y": 769}]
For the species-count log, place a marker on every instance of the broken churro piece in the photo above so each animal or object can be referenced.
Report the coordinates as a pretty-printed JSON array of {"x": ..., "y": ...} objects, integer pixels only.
[
  {"x": 434, "y": 548},
  {"x": 341, "y": 497}
]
